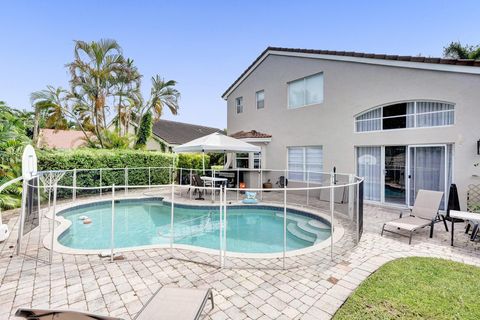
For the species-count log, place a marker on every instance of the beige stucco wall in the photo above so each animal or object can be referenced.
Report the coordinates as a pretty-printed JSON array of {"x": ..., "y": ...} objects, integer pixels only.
[{"x": 351, "y": 88}]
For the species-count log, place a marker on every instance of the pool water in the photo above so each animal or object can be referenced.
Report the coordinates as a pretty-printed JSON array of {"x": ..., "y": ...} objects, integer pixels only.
[{"x": 250, "y": 229}]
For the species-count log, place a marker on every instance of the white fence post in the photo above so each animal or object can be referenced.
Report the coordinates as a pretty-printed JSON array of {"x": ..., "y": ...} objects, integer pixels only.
[
  {"x": 238, "y": 182},
  {"x": 261, "y": 183},
  {"x": 149, "y": 178},
  {"x": 180, "y": 182},
  {"x": 112, "y": 238},
  {"x": 284, "y": 221},
  {"x": 220, "y": 229},
  {"x": 225, "y": 225},
  {"x": 54, "y": 213},
  {"x": 308, "y": 187},
  {"x": 332, "y": 207},
  {"x": 172, "y": 210},
  {"x": 74, "y": 182},
  {"x": 126, "y": 180},
  {"x": 101, "y": 189}
]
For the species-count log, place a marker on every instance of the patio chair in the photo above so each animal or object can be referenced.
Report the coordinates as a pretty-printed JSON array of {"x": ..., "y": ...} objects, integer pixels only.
[
  {"x": 166, "y": 304},
  {"x": 423, "y": 214}
]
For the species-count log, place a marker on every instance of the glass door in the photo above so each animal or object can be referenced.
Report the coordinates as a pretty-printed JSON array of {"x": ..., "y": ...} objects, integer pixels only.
[
  {"x": 394, "y": 174},
  {"x": 427, "y": 170}
]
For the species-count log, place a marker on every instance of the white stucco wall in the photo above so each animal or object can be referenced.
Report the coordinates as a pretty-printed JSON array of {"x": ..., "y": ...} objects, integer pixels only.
[{"x": 351, "y": 88}]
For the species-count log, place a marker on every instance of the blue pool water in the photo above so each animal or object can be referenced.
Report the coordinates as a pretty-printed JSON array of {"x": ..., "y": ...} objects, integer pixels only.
[{"x": 250, "y": 229}]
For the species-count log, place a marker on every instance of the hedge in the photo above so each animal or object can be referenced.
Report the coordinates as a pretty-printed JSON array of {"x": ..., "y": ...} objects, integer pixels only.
[{"x": 119, "y": 159}]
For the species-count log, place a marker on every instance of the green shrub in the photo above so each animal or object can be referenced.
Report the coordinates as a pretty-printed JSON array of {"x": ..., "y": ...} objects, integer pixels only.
[
  {"x": 116, "y": 161},
  {"x": 192, "y": 161}
]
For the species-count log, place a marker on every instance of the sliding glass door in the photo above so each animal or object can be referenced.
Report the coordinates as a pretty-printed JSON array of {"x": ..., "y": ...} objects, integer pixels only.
[
  {"x": 369, "y": 165},
  {"x": 394, "y": 174},
  {"x": 427, "y": 170}
]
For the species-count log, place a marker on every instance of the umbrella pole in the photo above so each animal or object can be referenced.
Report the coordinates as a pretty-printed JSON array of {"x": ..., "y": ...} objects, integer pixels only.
[{"x": 203, "y": 161}]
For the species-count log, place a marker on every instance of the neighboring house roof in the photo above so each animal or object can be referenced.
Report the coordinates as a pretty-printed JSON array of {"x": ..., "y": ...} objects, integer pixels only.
[
  {"x": 252, "y": 134},
  {"x": 454, "y": 65},
  {"x": 60, "y": 139},
  {"x": 176, "y": 133}
]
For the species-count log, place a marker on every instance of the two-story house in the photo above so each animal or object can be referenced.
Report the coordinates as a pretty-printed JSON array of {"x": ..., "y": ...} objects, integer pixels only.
[{"x": 404, "y": 123}]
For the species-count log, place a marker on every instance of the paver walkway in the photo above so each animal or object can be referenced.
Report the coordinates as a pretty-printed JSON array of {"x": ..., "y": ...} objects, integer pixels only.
[{"x": 313, "y": 290}]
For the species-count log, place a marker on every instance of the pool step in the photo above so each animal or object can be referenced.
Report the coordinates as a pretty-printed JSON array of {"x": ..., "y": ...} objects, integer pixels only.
[
  {"x": 294, "y": 230},
  {"x": 318, "y": 224}
]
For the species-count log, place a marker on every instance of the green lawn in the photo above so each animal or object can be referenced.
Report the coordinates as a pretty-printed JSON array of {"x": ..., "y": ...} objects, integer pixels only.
[{"x": 417, "y": 288}]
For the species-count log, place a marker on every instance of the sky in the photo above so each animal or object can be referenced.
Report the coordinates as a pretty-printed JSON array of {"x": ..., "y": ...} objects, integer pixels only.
[{"x": 206, "y": 45}]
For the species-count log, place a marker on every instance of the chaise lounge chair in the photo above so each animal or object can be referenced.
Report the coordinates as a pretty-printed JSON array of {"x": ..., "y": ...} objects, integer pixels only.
[
  {"x": 166, "y": 304},
  {"x": 424, "y": 213}
]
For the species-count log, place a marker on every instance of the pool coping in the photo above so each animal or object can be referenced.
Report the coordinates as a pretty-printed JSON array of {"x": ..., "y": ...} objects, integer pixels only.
[{"x": 64, "y": 224}]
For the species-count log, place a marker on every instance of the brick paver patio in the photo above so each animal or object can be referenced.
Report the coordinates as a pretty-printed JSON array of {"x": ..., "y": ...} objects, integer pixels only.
[{"x": 312, "y": 287}]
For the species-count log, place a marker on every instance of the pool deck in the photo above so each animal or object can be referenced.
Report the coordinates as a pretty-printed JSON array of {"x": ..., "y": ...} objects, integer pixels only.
[{"x": 312, "y": 287}]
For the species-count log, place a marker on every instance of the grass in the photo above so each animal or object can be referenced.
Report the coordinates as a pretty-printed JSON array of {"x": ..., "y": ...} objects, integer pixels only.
[{"x": 417, "y": 288}]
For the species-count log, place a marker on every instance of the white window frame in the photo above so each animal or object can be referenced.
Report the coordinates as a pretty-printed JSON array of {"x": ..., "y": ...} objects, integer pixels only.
[
  {"x": 239, "y": 106},
  {"x": 257, "y": 101},
  {"x": 304, "y": 79},
  {"x": 304, "y": 162},
  {"x": 257, "y": 156},
  {"x": 414, "y": 115},
  {"x": 247, "y": 158}
]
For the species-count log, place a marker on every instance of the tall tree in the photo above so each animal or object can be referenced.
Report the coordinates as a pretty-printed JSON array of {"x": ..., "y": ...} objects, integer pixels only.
[
  {"x": 162, "y": 94},
  {"x": 456, "y": 50},
  {"x": 55, "y": 104},
  {"x": 93, "y": 71}
]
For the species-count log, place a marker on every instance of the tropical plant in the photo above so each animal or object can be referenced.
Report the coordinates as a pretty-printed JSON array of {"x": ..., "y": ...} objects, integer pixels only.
[
  {"x": 55, "y": 104},
  {"x": 456, "y": 50},
  {"x": 103, "y": 83},
  {"x": 94, "y": 71},
  {"x": 15, "y": 128},
  {"x": 162, "y": 94},
  {"x": 144, "y": 131}
]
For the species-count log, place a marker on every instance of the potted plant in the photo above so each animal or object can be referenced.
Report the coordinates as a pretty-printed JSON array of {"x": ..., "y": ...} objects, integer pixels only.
[{"x": 267, "y": 185}]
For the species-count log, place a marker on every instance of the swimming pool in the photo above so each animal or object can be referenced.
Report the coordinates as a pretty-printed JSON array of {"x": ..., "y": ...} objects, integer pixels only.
[{"x": 146, "y": 222}]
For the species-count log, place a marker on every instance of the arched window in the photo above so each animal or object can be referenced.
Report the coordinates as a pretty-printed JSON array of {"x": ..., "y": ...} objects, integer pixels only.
[{"x": 413, "y": 114}]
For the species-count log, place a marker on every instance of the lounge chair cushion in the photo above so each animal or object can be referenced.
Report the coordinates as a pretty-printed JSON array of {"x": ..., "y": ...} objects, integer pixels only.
[
  {"x": 409, "y": 223},
  {"x": 44, "y": 314},
  {"x": 175, "y": 303}
]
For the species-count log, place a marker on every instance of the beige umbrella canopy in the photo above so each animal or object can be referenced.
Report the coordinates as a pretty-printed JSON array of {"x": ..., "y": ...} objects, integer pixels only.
[{"x": 216, "y": 142}]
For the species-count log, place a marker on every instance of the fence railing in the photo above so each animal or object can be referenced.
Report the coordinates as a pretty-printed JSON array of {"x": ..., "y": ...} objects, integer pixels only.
[{"x": 117, "y": 210}]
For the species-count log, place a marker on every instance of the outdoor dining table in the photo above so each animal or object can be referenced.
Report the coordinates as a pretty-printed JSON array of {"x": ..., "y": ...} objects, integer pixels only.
[
  {"x": 213, "y": 181},
  {"x": 463, "y": 215}
]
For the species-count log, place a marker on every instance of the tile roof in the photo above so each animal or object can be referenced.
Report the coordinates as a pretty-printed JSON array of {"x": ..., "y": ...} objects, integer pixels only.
[
  {"x": 250, "y": 134},
  {"x": 60, "y": 139},
  {"x": 176, "y": 133},
  {"x": 459, "y": 62}
]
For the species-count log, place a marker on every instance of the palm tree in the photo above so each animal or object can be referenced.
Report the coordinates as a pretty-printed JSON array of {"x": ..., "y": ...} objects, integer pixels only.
[
  {"x": 55, "y": 104},
  {"x": 163, "y": 94},
  {"x": 456, "y": 50},
  {"x": 94, "y": 70},
  {"x": 127, "y": 89}
]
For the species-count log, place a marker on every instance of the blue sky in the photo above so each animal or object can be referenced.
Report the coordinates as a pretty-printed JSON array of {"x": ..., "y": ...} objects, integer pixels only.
[{"x": 205, "y": 45}]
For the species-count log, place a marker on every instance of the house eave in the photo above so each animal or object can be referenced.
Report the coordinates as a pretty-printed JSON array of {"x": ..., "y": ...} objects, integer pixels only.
[{"x": 372, "y": 61}]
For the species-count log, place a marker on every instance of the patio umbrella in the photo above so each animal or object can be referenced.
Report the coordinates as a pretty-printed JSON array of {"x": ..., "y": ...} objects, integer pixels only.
[{"x": 216, "y": 142}]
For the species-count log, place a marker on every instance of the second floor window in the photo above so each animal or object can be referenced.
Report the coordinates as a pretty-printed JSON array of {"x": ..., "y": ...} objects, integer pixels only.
[
  {"x": 305, "y": 91},
  {"x": 239, "y": 104},
  {"x": 414, "y": 114},
  {"x": 260, "y": 97}
]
